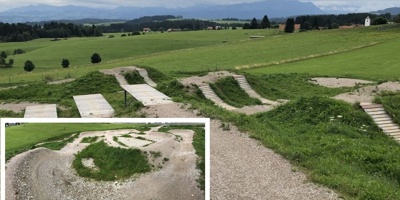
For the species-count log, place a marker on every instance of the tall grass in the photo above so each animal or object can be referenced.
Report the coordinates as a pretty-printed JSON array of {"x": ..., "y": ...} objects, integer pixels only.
[{"x": 391, "y": 103}]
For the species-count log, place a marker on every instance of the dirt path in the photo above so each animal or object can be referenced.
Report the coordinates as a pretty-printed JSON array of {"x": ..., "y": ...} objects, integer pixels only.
[
  {"x": 241, "y": 168},
  {"x": 45, "y": 174}
]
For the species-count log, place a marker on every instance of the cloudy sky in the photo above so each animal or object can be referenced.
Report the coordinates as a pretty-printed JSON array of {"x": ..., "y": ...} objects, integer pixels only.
[{"x": 348, "y": 5}]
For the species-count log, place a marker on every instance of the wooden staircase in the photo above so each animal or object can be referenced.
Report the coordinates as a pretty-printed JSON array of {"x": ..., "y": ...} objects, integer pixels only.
[
  {"x": 210, "y": 94},
  {"x": 382, "y": 119}
]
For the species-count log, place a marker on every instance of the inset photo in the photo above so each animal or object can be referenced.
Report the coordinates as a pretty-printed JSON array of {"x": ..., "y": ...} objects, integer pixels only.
[{"x": 105, "y": 159}]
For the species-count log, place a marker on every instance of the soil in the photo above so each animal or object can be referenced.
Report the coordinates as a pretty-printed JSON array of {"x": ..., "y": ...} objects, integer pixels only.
[
  {"x": 338, "y": 82},
  {"x": 211, "y": 77},
  {"x": 242, "y": 168},
  {"x": 45, "y": 174},
  {"x": 16, "y": 107},
  {"x": 364, "y": 94}
]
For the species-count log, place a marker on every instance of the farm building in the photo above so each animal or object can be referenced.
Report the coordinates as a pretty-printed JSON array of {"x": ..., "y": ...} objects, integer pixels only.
[{"x": 146, "y": 30}]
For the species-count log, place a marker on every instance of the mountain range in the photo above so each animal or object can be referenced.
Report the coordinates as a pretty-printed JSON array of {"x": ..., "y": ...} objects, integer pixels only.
[{"x": 272, "y": 8}]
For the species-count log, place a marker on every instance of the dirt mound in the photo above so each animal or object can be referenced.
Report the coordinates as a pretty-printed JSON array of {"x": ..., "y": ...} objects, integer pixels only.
[
  {"x": 338, "y": 82},
  {"x": 16, "y": 107},
  {"x": 209, "y": 78},
  {"x": 367, "y": 94}
]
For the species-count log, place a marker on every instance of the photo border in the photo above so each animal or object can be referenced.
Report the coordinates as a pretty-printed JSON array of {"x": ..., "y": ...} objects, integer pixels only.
[{"x": 206, "y": 121}]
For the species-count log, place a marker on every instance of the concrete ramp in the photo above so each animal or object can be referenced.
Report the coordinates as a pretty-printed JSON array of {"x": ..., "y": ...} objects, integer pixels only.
[
  {"x": 93, "y": 106},
  {"x": 41, "y": 111},
  {"x": 210, "y": 94},
  {"x": 146, "y": 77},
  {"x": 146, "y": 94}
]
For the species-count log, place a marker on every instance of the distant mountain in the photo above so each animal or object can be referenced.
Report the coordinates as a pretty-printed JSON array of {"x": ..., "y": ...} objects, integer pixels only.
[
  {"x": 272, "y": 8},
  {"x": 393, "y": 11}
]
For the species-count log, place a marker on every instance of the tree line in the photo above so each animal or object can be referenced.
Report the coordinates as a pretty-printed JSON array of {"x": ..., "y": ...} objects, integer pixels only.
[
  {"x": 21, "y": 32},
  {"x": 158, "y": 23}
]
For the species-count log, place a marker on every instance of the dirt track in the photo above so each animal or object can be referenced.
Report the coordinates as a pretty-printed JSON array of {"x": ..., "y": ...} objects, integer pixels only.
[{"x": 45, "y": 174}]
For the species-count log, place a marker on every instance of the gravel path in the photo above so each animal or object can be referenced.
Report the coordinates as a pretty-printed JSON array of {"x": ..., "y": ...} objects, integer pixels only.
[{"x": 241, "y": 168}]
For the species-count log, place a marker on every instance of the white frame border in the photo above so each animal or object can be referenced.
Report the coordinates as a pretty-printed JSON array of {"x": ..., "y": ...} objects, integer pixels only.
[{"x": 205, "y": 121}]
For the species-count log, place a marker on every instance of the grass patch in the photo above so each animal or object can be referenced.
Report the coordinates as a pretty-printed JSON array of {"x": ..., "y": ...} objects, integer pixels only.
[
  {"x": 113, "y": 163},
  {"x": 115, "y": 138},
  {"x": 58, "y": 145},
  {"x": 8, "y": 113},
  {"x": 89, "y": 139},
  {"x": 126, "y": 135},
  {"x": 348, "y": 154},
  {"x": 230, "y": 92},
  {"x": 289, "y": 86},
  {"x": 134, "y": 78},
  {"x": 391, "y": 103},
  {"x": 155, "y": 154},
  {"x": 62, "y": 94}
]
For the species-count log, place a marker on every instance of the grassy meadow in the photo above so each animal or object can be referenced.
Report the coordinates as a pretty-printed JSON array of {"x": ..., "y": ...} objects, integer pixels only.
[{"x": 348, "y": 154}]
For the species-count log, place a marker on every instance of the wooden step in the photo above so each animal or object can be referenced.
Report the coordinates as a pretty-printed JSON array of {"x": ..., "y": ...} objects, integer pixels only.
[
  {"x": 371, "y": 106},
  {"x": 374, "y": 109}
]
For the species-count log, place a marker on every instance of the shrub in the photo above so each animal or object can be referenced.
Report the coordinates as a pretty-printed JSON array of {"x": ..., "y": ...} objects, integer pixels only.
[
  {"x": 65, "y": 63},
  {"x": 95, "y": 58},
  {"x": 29, "y": 66},
  {"x": 18, "y": 51}
]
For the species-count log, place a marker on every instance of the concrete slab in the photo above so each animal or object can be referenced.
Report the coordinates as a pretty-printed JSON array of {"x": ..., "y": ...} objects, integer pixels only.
[
  {"x": 93, "y": 106},
  {"x": 41, "y": 111},
  {"x": 146, "y": 94}
]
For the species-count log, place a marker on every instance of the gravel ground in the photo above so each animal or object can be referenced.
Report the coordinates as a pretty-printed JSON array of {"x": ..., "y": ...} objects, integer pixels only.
[
  {"x": 16, "y": 107},
  {"x": 241, "y": 168},
  {"x": 367, "y": 94},
  {"x": 338, "y": 82}
]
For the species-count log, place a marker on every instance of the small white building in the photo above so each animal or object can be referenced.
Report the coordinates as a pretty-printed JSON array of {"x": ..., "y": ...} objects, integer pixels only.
[{"x": 367, "y": 21}]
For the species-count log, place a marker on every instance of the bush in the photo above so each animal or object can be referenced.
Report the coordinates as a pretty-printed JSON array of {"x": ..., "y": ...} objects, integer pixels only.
[
  {"x": 379, "y": 21},
  {"x": 136, "y": 33},
  {"x": 29, "y": 66},
  {"x": 95, "y": 58},
  {"x": 65, "y": 63},
  {"x": 18, "y": 51}
]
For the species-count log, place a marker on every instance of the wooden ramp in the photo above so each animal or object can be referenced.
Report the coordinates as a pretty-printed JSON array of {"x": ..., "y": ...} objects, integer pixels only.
[
  {"x": 210, "y": 94},
  {"x": 146, "y": 94},
  {"x": 382, "y": 119},
  {"x": 93, "y": 106},
  {"x": 249, "y": 90},
  {"x": 41, "y": 111}
]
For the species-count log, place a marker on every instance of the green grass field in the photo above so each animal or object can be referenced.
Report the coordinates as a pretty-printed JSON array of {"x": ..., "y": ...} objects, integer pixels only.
[
  {"x": 338, "y": 52},
  {"x": 357, "y": 161}
]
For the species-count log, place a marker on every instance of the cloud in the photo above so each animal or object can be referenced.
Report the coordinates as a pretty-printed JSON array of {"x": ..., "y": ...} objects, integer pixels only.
[{"x": 355, "y": 5}]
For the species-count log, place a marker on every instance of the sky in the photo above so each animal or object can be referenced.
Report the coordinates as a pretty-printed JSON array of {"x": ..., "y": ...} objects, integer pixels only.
[{"x": 347, "y": 5}]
